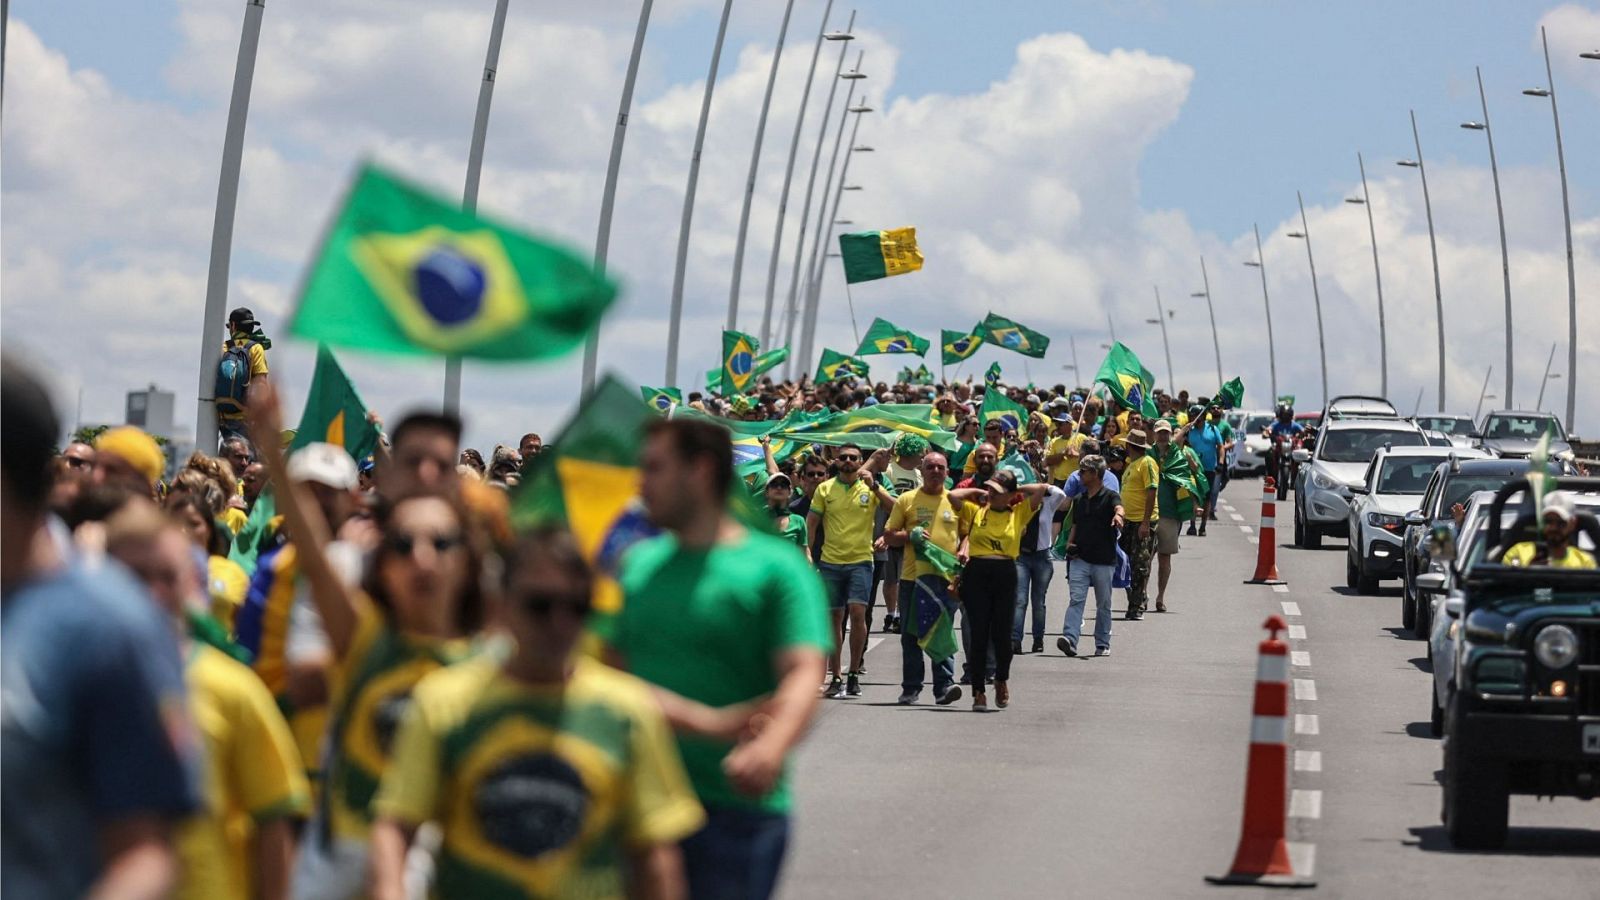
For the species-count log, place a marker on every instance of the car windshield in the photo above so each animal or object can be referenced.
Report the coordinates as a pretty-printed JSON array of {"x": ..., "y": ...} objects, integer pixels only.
[
  {"x": 1407, "y": 474},
  {"x": 1257, "y": 423},
  {"x": 1357, "y": 445},
  {"x": 1522, "y": 427},
  {"x": 1460, "y": 488},
  {"x": 1445, "y": 424}
]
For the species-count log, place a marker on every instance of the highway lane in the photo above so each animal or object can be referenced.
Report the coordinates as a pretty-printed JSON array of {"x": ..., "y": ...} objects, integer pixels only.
[{"x": 1124, "y": 776}]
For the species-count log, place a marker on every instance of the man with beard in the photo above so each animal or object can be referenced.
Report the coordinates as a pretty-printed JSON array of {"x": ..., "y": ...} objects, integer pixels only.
[{"x": 845, "y": 508}]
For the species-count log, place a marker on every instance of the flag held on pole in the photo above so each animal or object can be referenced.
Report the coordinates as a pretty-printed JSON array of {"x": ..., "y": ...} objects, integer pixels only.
[
  {"x": 886, "y": 337},
  {"x": 334, "y": 413},
  {"x": 1129, "y": 382},
  {"x": 661, "y": 399},
  {"x": 738, "y": 361},
  {"x": 1003, "y": 332},
  {"x": 835, "y": 365},
  {"x": 958, "y": 345},
  {"x": 991, "y": 378},
  {"x": 870, "y": 255}
]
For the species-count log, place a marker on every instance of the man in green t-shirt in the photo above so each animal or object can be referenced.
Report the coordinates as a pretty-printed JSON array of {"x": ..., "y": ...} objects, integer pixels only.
[{"x": 730, "y": 626}]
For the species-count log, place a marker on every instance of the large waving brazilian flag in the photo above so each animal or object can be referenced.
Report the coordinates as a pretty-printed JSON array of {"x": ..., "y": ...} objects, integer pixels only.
[
  {"x": 334, "y": 413},
  {"x": 1003, "y": 332},
  {"x": 1129, "y": 382},
  {"x": 763, "y": 364},
  {"x": 835, "y": 365},
  {"x": 661, "y": 399},
  {"x": 886, "y": 337},
  {"x": 996, "y": 405},
  {"x": 958, "y": 345},
  {"x": 404, "y": 271},
  {"x": 738, "y": 361},
  {"x": 870, "y": 255}
]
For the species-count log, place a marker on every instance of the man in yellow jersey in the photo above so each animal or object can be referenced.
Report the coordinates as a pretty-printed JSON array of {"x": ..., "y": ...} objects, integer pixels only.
[
  {"x": 550, "y": 774},
  {"x": 244, "y": 359},
  {"x": 1065, "y": 447},
  {"x": 243, "y": 844},
  {"x": 845, "y": 508},
  {"x": 1559, "y": 526},
  {"x": 929, "y": 508},
  {"x": 1141, "y": 511}
]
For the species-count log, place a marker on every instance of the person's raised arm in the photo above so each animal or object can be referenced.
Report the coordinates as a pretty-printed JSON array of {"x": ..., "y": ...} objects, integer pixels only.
[
  {"x": 766, "y": 451},
  {"x": 336, "y": 601}
]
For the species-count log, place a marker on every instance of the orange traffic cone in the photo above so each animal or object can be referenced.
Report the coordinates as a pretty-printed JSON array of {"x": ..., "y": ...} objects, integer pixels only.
[
  {"x": 1267, "y": 540},
  {"x": 1263, "y": 855}
]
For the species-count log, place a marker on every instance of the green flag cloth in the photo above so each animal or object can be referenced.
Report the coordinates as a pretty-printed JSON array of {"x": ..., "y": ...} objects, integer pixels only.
[
  {"x": 738, "y": 361},
  {"x": 258, "y": 532},
  {"x": 661, "y": 399},
  {"x": 886, "y": 337},
  {"x": 992, "y": 376},
  {"x": 835, "y": 365},
  {"x": 402, "y": 270},
  {"x": 996, "y": 405},
  {"x": 1181, "y": 485},
  {"x": 958, "y": 345},
  {"x": 932, "y": 609},
  {"x": 764, "y": 363},
  {"x": 1230, "y": 395},
  {"x": 1003, "y": 332},
  {"x": 334, "y": 412},
  {"x": 1287, "y": 399},
  {"x": 871, "y": 420},
  {"x": 1129, "y": 382},
  {"x": 1018, "y": 465},
  {"x": 868, "y": 255},
  {"x": 936, "y": 557}
]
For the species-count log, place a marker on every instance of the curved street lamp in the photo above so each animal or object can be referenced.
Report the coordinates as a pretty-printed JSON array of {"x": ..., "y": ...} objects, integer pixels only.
[
  {"x": 1500, "y": 213},
  {"x": 1316, "y": 295},
  {"x": 1433, "y": 246},
  {"x": 1372, "y": 229},
  {"x": 1566, "y": 215},
  {"x": 1272, "y": 350}
]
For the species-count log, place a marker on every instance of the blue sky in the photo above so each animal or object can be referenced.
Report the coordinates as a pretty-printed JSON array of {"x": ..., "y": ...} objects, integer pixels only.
[{"x": 1260, "y": 99}]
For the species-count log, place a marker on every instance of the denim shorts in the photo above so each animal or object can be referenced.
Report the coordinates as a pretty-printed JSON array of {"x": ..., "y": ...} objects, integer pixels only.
[{"x": 846, "y": 583}]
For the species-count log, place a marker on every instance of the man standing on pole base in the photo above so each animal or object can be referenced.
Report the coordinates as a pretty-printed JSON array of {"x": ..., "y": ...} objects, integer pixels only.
[{"x": 729, "y": 626}]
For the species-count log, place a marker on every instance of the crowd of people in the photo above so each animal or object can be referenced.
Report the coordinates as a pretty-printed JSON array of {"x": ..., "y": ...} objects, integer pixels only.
[{"x": 304, "y": 674}]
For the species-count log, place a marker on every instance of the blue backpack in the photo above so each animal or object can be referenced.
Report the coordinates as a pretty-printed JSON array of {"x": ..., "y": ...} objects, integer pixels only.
[{"x": 233, "y": 377}]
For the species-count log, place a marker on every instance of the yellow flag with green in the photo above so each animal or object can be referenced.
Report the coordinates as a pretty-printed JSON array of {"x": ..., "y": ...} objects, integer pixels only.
[
  {"x": 738, "y": 361},
  {"x": 869, "y": 255},
  {"x": 334, "y": 413},
  {"x": 402, "y": 270}
]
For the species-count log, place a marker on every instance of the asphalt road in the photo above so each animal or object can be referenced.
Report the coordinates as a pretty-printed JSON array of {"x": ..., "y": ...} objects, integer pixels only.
[{"x": 1124, "y": 776}]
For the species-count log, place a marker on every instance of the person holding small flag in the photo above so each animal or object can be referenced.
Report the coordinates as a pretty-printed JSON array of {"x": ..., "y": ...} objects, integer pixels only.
[{"x": 925, "y": 586}]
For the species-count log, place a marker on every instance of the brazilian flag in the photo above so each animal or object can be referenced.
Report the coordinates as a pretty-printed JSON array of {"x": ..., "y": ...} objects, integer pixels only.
[
  {"x": 334, "y": 413},
  {"x": 869, "y": 255},
  {"x": 738, "y": 361},
  {"x": 1230, "y": 395},
  {"x": 764, "y": 363},
  {"x": 1003, "y": 332},
  {"x": 1128, "y": 380},
  {"x": 992, "y": 376},
  {"x": 835, "y": 365},
  {"x": 402, "y": 270},
  {"x": 886, "y": 337},
  {"x": 958, "y": 345},
  {"x": 996, "y": 405},
  {"x": 661, "y": 399}
]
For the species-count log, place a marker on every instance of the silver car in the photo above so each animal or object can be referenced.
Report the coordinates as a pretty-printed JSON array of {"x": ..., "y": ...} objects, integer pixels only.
[{"x": 1344, "y": 448}]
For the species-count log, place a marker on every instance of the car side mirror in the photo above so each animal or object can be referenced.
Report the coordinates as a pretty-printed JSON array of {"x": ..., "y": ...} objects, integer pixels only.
[
  {"x": 1415, "y": 517},
  {"x": 1301, "y": 455},
  {"x": 1360, "y": 489},
  {"x": 1475, "y": 435},
  {"x": 1442, "y": 543},
  {"x": 1573, "y": 439},
  {"x": 1431, "y": 583},
  {"x": 1453, "y": 607}
]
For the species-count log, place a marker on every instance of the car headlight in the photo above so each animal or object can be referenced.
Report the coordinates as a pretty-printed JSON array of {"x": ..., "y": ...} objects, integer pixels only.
[
  {"x": 1323, "y": 482},
  {"x": 1386, "y": 522},
  {"x": 1556, "y": 647}
]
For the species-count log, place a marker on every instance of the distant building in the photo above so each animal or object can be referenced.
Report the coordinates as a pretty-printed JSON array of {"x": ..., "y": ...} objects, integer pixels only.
[{"x": 151, "y": 410}]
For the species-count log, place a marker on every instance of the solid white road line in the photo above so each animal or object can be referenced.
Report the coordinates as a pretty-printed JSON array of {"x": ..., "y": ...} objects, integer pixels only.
[
  {"x": 1301, "y": 658},
  {"x": 1308, "y": 760},
  {"x": 1305, "y": 689},
  {"x": 1297, "y": 632},
  {"x": 1302, "y": 857},
  {"x": 1280, "y": 588},
  {"x": 1305, "y": 724},
  {"x": 1305, "y": 804},
  {"x": 1290, "y": 608}
]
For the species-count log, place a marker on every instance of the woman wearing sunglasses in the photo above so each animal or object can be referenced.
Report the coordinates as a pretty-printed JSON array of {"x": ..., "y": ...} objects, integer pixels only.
[
  {"x": 415, "y": 612},
  {"x": 548, "y": 773}
]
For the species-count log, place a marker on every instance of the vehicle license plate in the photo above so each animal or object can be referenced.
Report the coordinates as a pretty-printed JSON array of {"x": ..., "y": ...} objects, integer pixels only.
[{"x": 1591, "y": 739}]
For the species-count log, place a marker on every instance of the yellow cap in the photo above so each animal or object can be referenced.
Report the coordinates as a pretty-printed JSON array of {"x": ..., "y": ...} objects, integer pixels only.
[{"x": 136, "y": 448}]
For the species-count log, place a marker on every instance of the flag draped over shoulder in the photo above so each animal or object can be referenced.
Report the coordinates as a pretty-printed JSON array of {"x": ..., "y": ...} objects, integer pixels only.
[
  {"x": 404, "y": 271},
  {"x": 1129, "y": 382},
  {"x": 869, "y": 255},
  {"x": 886, "y": 337},
  {"x": 1003, "y": 332},
  {"x": 661, "y": 399},
  {"x": 738, "y": 361},
  {"x": 958, "y": 345},
  {"x": 334, "y": 413},
  {"x": 835, "y": 365},
  {"x": 1230, "y": 395}
]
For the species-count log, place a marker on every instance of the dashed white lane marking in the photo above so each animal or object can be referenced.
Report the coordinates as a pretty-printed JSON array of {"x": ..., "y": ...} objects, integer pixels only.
[
  {"x": 1280, "y": 588},
  {"x": 1308, "y": 760},
  {"x": 1305, "y": 804},
  {"x": 1303, "y": 857},
  {"x": 1300, "y": 658},
  {"x": 1305, "y": 724},
  {"x": 1252, "y": 538},
  {"x": 1290, "y": 608},
  {"x": 1297, "y": 632},
  {"x": 1246, "y": 529},
  {"x": 873, "y": 642},
  {"x": 1305, "y": 689},
  {"x": 1236, "y": 517}
]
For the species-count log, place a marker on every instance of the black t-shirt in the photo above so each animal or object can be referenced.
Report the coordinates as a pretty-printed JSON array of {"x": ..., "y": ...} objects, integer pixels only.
[{"x": 1091, "y": 517}]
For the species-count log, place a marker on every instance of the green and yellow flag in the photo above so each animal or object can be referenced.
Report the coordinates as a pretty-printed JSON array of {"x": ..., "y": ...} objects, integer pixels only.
[
  {"x": 869, "y": 255},
  {"x": 958, "y": 345},
  {"x": 1003, "y": 332},
  {"x": 886, "y": 337},
  {"x": 764, "y": 363},
  {"x": 835, "y": 365},
  {"x": 1230, "y": 395},
  {"x": 996, "y": 405},
  {"x": 1129, "y": 382},
  {"x": 661, "y": 399},
  {"x": 738, "y": 361},
  {"x": 404, "y": 271},
  {"x": 334, "y": 413},
  {"x": 991, "y": 378}
]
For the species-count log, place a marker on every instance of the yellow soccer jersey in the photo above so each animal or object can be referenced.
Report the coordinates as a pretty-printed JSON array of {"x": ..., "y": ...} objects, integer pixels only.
[
  {"x": 848, "y": 512},
  {"x": 539, "y": 791},
  {"x": 934, "y": 513}
]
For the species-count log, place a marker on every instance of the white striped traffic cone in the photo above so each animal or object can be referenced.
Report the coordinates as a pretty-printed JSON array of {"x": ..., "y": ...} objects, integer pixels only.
[{"x": 1267, "y": 539}]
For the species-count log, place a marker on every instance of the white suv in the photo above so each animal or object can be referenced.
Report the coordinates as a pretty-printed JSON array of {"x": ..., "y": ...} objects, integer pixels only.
[
  {"x": 1392, "y": 487},
  {"x": 1344, "y": 449}
]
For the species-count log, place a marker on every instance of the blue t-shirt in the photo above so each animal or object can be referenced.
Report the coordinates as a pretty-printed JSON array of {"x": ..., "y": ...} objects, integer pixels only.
[
  {"x": 1205, "y": 440},
  {"x": 94, "y": 724},
  {"x": 1291, "y": 429},
  {"x": 1074, "y": 487}
]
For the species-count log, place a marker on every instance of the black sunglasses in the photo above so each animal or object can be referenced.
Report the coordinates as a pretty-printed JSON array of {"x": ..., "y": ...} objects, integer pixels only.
[
  {"x": 406, "y": 544},
  {"x": 543, "y": 603},
  {"x": 813, "y": 474},
  {"x": 850, "y": 457}
]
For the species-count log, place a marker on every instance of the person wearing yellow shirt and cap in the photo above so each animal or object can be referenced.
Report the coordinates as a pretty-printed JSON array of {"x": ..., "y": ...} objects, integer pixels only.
[
  {"x": 1559, "y": 525},
  {"x": 127, "y": 457}
]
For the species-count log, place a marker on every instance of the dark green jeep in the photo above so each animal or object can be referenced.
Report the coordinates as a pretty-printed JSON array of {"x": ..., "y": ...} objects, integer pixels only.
[{"x": 1525, "y": 715}]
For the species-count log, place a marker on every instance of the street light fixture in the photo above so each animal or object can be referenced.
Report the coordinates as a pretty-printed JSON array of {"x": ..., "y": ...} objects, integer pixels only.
[
  {"x": 838, "y": 36},
  {"x": 1589, "y": 54},
  {"x": 1499, "y": 209},
  {"x": 851, "y": 187},
  {"x": 1433, "y": 246},
  {"x": 844, "y": 221},
  {"x": 863, "y": 149},
  {"x": 1566, "y": 215}
]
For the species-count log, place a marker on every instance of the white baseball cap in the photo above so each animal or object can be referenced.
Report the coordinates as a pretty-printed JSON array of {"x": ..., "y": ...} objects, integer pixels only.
[
  {"x": 1560, "y": 503},
  {"x": 324, "y": 464}
]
